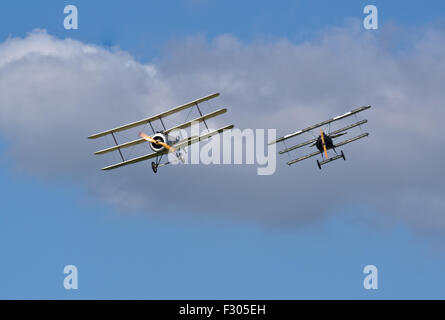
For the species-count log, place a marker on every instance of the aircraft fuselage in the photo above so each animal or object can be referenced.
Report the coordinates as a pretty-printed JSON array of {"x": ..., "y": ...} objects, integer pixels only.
[{"x": 328, "y": 141}]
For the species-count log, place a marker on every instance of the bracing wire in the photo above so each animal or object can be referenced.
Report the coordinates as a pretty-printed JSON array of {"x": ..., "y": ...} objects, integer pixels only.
[{"x": 285, "y": 146}]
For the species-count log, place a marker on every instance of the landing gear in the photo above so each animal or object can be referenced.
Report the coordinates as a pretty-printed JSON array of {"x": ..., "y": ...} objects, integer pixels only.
[
  {"x": 154, "y": 167},
  {"x": 338, "y": 156}
]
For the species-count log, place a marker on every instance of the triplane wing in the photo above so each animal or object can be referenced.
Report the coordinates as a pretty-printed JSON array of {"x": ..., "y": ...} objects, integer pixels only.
[
  {"x": 182, "y": 126},
  {"x": 156, "y": 117},
  {"x": 324, "y": 141},
  {"x": 161, "y": 143},
  {"x": 180, "y": 144}
]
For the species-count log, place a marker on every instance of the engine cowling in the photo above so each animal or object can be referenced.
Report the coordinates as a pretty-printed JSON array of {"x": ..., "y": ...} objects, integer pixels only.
[{"x": 161, "y": 138}]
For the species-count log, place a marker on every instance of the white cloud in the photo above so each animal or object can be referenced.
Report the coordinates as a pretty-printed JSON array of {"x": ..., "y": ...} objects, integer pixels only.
[{"x": 54, "y": 93}]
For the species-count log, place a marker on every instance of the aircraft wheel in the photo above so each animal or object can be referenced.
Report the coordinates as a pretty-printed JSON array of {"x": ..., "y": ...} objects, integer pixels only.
[
  {"x": 154, "y": 166},
  {"x": 343, "y": 155}
]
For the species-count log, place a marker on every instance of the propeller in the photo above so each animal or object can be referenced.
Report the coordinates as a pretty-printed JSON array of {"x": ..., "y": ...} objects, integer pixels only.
[
  {"x": 324, "y": 144},
  {"x": 150, "y": 139}
]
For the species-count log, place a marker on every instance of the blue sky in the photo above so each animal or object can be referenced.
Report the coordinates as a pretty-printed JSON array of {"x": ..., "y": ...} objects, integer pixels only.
[{"x": 45, "y": 225}]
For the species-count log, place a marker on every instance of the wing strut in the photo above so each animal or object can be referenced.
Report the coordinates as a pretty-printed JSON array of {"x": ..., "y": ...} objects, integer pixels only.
[
  {"x": 151, "y": 126},
  {"x": 115, "y": 141},
  {"x": 200, "y": 113},
  {"x": 163, "y": 125}
]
